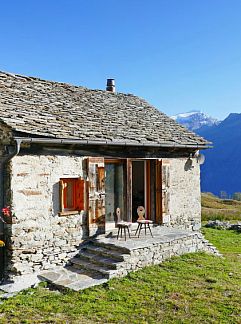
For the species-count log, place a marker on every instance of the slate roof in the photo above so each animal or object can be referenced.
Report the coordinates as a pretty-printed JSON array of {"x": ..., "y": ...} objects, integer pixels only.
[{"x": 57, "y": 110}]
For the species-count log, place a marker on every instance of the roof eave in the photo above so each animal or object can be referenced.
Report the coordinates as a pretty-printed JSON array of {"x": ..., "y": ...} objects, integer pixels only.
[{"x": 36, "y": 140}]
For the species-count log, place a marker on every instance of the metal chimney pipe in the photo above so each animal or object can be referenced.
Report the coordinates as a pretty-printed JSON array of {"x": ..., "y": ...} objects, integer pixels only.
[{"x": 110, "y": 85}]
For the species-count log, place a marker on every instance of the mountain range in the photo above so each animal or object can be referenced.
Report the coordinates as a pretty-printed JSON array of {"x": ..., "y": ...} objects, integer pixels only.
[
  {"x": 221, "y": 172},
  {"x": 195, "y": 119}
]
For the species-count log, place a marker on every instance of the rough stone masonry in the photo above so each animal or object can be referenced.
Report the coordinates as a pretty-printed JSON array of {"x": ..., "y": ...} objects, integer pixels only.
[{"x": 40, "y": 239}]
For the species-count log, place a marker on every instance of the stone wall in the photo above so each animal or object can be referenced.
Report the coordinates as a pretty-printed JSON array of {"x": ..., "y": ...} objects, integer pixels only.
[
  {"x": 184, "y": 194},
  {"x": 157, "y": 252},
  {"x": 40, "y": 238}
]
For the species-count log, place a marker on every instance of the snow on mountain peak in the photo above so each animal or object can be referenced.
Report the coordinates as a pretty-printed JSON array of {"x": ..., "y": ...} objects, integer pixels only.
[
  {"x": 185, "y": 115},
  {"x": 195, "y": 119}
]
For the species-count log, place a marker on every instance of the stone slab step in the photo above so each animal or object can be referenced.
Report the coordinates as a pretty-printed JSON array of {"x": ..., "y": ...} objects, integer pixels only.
[
  {"x": 72, "y": 278},
  {"x": 100, "y": 250},
  {"x": 99, "y": 259},
  {"x": 79, "y": 263},
  {"x": 111, "y": 246}
]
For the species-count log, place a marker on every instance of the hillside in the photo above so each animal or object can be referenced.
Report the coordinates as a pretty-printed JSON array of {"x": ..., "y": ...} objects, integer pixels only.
[
  {"x": 222, "y": 209},
  {"x": 221, "y": 170}
]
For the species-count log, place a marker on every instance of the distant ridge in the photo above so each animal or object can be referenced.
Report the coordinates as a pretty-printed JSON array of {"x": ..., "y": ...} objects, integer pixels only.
[
  {"x": 195, "y": 119},
  {"x": 221, "y": 171}
]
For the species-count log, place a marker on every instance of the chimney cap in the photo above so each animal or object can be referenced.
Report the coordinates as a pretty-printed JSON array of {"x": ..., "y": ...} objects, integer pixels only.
[{"x": 110, "y": 85}]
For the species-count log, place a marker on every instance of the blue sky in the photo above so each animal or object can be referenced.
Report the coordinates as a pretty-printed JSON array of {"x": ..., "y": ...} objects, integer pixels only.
[{"x": 180, "y": 55}]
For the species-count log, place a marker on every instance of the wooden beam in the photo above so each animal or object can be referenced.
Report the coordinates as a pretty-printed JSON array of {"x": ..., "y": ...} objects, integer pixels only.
[{"x": 106, "y": 151}]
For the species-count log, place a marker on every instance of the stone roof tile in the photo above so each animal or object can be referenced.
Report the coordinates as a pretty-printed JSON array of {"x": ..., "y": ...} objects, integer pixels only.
[{"x": 44, "y": 108}]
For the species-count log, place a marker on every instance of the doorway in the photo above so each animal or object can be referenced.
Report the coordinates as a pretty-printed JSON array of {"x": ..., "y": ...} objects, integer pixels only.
[
  {"x": 138, "y": 187},
  {"x": 130, "y": 183},
  {"x": 114, "y": 191}
]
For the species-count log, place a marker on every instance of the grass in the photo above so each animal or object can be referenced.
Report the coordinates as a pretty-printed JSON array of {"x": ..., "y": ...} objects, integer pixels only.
[
  {"x": 222, "y": 209},
  {"x": 196, "y": 288}
]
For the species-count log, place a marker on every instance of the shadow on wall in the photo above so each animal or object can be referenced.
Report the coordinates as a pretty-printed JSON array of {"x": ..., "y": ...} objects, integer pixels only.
[
  {"x": 188, "y": 165},
  {"x": 55, "y": 199}
]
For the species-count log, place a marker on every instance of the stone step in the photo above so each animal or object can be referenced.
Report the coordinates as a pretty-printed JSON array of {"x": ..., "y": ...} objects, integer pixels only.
[
  {"x": 101, "y": 250},
  {"x": 79, "y": 263},
  {"x": 111, "y": 246},
  {"x": 108, "y": 262},
  {"x": 69, "y": 277}
]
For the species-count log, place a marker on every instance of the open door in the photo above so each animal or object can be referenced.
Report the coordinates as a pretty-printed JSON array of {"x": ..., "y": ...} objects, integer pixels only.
[
  {"x": 162, "y": 191},
  {"x": 96, "y": 190},
  {"x": 159, "y": 191},
  {"x": 114, "y": 191},
  {"x": 165, "y": 191}
]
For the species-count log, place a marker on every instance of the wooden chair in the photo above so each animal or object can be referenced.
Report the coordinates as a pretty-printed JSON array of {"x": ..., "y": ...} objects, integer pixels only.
[
  {"x": 142, "y": 221},
  {"x": 122, "y": 225}
]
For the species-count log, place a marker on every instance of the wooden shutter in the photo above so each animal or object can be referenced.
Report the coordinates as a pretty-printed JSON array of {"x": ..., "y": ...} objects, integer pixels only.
[
  {"x": 165, "y": 187},
  {"x": 80, "y": 194},
  {"x": 162, "y": 189},
  {"x": 100, "y": 178},
  {"x": 72, "y": 195},
  {"x": 96, "y": 210},
  {"x": 158, "y": 191}
]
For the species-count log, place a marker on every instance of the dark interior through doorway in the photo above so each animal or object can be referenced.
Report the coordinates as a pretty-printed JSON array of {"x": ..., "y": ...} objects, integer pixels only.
[{"x": 138, "y": 187}]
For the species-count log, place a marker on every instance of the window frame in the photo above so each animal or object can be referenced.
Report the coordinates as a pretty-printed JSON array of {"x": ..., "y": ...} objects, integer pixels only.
[{"x": 78, "y": 195}]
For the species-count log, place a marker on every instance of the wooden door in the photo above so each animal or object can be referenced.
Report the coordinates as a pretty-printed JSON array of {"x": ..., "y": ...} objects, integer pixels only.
[
  {"x": 162, "y": 190},
  {"x": 96, "y": 210},
  {"x": 115, "y": 191},
  {"x": 158, "y": 191},
  {"x": 165, "y": 190}
]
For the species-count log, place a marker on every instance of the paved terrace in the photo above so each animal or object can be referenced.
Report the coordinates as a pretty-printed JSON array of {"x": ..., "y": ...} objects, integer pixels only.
[
  {"x": 106, "y": 257},
  {"x": 160, "y": 234}
]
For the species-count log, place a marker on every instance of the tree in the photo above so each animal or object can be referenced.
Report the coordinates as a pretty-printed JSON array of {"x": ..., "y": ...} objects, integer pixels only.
[
  {"x": 237, "y": 196},
  {"x": 223, "y": 195}
]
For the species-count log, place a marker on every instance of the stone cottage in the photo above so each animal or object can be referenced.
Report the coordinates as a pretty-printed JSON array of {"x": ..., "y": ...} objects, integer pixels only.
[{"x": 70, "y": 156}]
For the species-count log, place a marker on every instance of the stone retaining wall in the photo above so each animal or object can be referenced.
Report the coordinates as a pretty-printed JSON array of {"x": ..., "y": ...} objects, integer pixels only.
[{"x": 158, "y": 252}]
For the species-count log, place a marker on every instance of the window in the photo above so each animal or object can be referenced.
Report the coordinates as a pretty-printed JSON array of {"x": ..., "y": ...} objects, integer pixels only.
[{"x": 72, "y": 195}]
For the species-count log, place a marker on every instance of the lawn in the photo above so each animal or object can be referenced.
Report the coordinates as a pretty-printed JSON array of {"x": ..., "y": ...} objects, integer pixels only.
[{"x": 196, "y": 288}]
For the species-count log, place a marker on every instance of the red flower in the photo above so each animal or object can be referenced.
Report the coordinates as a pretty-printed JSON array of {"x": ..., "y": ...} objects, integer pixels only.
[{"x": 6, "y": 211}]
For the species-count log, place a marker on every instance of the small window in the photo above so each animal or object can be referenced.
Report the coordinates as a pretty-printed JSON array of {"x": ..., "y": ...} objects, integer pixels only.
[{"x": 72, "y": 195}]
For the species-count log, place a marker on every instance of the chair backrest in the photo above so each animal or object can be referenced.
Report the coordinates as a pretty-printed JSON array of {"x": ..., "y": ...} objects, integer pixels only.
[
  {"x": 118, "y": 214},
  {"x": 141, "y": 212}
]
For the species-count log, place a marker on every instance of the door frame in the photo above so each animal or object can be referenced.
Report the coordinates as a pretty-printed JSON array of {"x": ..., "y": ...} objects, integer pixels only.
[
  {"x": 111, "y": 225},
  {"x": 148, "y": 185}
]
